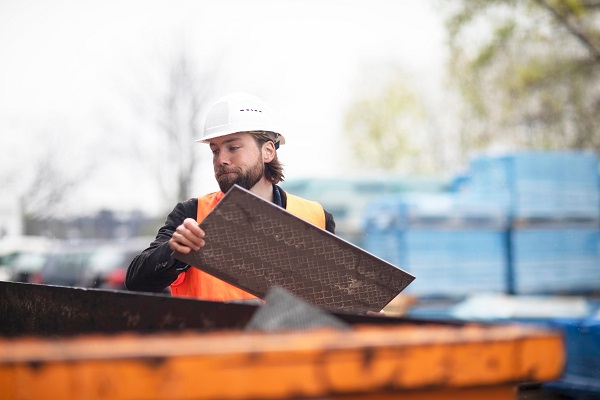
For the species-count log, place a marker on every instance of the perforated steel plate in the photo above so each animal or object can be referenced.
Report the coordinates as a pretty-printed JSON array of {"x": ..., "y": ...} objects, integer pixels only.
[{"x": 255, "y": 245}]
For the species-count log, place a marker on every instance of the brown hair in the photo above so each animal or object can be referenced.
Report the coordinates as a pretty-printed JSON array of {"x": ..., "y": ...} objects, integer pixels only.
[{"x": 274, "y": 169}]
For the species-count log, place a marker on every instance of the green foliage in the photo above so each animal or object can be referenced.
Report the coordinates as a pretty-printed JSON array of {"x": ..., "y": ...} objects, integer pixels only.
[
  {"x": 528, "y": 71},
  {"x": 382, "y": 127}
]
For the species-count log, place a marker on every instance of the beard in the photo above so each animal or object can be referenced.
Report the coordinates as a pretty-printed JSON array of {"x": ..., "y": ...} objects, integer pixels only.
[{"x": 237, "y": 176}]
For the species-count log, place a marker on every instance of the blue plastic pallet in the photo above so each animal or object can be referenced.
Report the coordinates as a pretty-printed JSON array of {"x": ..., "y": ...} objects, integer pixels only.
[
  {"x": 581, "y": 376},
  {"x": 556, "y": 260},
  {"x": 537, "y": 184},
  {"x": 455, "y": 262}
]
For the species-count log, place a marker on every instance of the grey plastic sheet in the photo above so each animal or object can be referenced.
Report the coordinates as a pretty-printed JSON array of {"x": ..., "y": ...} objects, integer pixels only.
[{"x": 255, "y": 245}]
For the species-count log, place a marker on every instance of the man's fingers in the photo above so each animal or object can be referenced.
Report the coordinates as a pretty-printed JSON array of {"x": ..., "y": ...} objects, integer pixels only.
[
  {"x": 178, "y": 247},
  {"x": 191, "y": 225},
  {"x": 377, "y": 313},
  {"x": 183, "y": 245},
  {"x": 187, "y": 236}
]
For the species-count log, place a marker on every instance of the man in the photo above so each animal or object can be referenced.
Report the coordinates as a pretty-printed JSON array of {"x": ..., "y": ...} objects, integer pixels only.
[{"x": 244, "y": 140}]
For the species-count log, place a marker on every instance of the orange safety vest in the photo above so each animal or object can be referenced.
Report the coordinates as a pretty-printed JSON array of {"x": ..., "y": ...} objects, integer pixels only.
[{"x": 199, "y": 284}]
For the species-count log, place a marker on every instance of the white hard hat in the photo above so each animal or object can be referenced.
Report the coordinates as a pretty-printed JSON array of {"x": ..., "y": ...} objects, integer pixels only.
[{"x": 239, "y": 112}]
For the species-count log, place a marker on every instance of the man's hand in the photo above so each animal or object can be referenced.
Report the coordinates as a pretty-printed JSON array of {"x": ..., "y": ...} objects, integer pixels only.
[
  {"x": 376, "y": 313},
  {"x": 187, "y": 237}
]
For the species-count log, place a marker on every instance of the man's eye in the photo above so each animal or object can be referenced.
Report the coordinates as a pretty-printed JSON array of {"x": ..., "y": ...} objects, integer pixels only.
[
  {"x": 233, "y": 148},
  {"x": 215, "y": 152}
]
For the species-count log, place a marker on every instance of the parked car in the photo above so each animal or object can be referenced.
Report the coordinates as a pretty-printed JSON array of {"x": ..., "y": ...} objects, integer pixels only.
[
  {"x": 65, "y": 266},
  {"x": 6, "y": 261},
  {"x": 21, "y": 256},
  {"x": 25, "y": 265},
  {"x": 91, "y": 264},
  {"x": 108, "y": 264}
]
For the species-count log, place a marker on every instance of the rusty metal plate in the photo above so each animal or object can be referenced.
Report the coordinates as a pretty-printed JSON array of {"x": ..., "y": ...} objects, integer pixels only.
[
  {"x": 254, "y": 245},
  {"x": 41, "y": 310},
  {"x": 30, "y": 309}
]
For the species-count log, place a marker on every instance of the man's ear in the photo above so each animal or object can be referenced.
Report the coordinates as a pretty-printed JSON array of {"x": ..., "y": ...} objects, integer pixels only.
[{"x": 268, "y": 151}]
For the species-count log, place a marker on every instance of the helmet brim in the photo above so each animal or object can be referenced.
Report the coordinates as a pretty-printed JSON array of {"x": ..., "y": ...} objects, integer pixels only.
[{"x": 208, "y": 137}]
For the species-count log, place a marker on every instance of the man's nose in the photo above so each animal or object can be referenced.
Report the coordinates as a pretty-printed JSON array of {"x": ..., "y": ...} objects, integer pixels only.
[{"x": 222, "y": 159}]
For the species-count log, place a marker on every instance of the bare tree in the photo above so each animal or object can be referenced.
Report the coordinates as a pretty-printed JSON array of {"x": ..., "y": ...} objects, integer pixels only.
[
  {"x": 52, "y": 181},
  {"x": 179, "y": 121},
  {"x": 170, "y": 106}
]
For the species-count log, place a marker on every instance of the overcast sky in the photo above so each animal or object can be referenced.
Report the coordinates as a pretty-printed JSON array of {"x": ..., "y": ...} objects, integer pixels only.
[{"x": 64, "y": 65}]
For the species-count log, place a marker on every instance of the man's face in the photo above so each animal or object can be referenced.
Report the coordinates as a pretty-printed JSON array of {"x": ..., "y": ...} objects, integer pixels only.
[{"x": 237, "y": 160}]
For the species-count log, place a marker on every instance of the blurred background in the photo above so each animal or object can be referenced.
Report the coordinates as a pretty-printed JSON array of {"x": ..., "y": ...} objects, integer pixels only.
[{"x": 457, "y": 140}]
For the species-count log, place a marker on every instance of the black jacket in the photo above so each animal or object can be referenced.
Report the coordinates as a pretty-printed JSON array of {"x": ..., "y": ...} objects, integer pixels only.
[{"x": 154, "y": 269}]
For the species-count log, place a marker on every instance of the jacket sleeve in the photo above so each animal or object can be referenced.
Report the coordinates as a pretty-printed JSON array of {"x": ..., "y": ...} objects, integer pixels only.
[
  {"x": 154, "y": 269},
  {"x": 329, "y": 222}
]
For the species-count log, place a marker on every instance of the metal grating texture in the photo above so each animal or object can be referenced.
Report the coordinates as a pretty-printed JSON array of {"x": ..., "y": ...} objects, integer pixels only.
[
  {"x": 285, "y": 312},
  {"x": 255, "y": 245}
]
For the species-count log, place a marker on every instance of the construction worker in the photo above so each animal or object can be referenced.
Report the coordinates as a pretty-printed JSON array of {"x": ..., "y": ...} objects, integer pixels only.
[{"x": 243, "y": 137}]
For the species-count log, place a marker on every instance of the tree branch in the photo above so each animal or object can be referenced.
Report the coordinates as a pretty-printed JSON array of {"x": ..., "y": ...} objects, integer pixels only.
[{"x": 562, "y": 19}]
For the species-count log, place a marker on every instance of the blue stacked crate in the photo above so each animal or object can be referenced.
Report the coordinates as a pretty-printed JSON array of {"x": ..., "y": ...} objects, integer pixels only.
[
  {"x": 540, "y": 185},
  {"x": 556, "y": 185},
  {"x": 523, "y": 223},
  {"x": 452, "y": 251},
  {"x": 454, "y": 262},
  {"x": 554, "y": 202},
  {"x": 487, "y": 182},
  {"x": 559, "y": 259}
]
